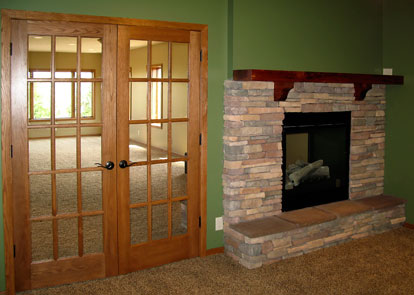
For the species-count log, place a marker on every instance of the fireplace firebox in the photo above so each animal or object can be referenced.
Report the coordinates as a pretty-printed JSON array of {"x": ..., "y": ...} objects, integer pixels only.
[{"x": 315, "y": 159}]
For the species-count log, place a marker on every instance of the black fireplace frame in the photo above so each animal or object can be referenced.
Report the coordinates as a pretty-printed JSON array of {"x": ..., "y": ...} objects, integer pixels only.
[{"x": 320, "y": 192}]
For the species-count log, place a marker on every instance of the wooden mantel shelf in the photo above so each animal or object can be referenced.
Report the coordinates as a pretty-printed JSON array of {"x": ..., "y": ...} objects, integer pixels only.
[{"x": 284, "y": 80}]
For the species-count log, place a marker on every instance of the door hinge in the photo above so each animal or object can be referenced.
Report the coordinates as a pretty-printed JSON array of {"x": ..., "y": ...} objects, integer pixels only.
[
  {"x": 11, "y": 49},
  {"x": 200, "y": 139},
  {"x": 201, "y": 55},
  {"x": 11, "y": 151},
  {"x": 14, "y": 251},
  {"x": 199, "y": 221}
]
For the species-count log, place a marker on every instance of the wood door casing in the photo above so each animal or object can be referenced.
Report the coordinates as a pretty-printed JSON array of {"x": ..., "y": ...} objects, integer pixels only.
[
  {"x": 8, "y": 16},
  {"x": 59, "y": 270},
  {"x": 157, "y": 252}
]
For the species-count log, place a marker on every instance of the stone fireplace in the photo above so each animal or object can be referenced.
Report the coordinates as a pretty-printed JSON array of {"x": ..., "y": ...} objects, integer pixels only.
[{"x": 256, "y": 231}]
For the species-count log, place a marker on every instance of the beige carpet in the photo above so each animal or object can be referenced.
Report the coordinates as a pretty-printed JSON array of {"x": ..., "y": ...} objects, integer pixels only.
[
  {"x": 381, "y": 264},
  {"x": 66, "y": 195}
]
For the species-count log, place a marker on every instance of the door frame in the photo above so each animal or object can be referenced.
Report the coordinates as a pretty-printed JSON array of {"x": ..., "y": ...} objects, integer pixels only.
[{"x": 6, "y": 16}]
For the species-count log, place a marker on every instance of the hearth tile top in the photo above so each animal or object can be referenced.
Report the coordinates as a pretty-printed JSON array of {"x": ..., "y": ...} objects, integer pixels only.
[
  {"x": 381, "y": 202},
  {"x": 344, "y": 208},
  {"x": 263, "y": 227},
  {"x": 307, "y": 216}
]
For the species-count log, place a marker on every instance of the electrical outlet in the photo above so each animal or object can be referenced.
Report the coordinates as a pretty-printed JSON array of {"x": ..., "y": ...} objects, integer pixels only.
[
  {"x": 219, "y": 223},
  {"x": 387, "y": 71}
]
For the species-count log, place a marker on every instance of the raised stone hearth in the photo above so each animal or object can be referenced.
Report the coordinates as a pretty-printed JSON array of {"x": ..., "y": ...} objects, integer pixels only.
[{"x": 256, "y": 231}]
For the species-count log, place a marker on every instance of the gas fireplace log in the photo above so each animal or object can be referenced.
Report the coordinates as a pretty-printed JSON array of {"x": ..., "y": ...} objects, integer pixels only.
[
  {"x": 321, "y": 172},
  {"x": 297, "y": 176}
]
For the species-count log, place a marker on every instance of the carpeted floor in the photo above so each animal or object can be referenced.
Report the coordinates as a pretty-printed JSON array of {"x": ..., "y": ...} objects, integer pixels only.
[
  {"x": 66, "y": 197},
  {"x": 381, "y": 264}
]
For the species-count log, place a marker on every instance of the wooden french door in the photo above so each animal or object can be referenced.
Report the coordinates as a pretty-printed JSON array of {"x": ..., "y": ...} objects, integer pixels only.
[
  {"x": 158, "y": 146},
  {"x": 105, "y": 149},
  {"x": 63, "y": 123}
]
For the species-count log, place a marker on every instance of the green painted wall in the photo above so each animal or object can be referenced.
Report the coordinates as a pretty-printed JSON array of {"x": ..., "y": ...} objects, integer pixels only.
[
  {"x": 214, "y": 14},
  {"x": 398, "y": 51},
  {"x": 318, "y": 35}
]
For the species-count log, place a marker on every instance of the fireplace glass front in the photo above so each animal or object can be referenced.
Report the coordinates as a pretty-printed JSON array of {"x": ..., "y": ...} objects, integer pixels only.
[{"x": 315, "y": 159}]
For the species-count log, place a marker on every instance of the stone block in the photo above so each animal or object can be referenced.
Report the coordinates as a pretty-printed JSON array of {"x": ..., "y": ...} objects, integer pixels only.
[
  {"x": 251, "y": 249},
  {"x": 250, "y": 265},
  {"x": 251, "y": 203},
  {"x": 267, "y": 247},
  {"x": 266, "y": 110},
  {"x": 277, "y": 253}
]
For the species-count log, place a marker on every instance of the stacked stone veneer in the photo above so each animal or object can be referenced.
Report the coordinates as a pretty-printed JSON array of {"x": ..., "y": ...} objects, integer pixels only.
[
  {"x": 257, "y": 251},
  {"x": 252, "y": 174}
]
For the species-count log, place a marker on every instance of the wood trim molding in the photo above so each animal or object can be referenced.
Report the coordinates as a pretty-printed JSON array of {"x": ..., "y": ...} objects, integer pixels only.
[
  {"x": 203, "y": 148},
  {"x": 53, "y": 16},
  {"x": 5, "y": 151},
  {"x": 214, "y": 251},
  {"x": 408, "y": 225},
  {"x": 284, "y": 80}
]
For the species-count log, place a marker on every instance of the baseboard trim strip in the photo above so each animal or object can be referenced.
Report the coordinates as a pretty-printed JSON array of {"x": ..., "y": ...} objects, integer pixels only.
[{"x": 215, "y": 251}]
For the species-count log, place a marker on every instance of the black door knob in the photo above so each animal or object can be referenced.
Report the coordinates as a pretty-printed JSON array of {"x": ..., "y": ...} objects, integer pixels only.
[
  {"x": 124, "y": 164},
  {"x": 109, "y": 165}
]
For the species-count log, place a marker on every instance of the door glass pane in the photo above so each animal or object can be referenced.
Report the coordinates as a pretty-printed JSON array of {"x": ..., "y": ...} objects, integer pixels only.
[
  {"x": 39, "y": 149},
  {"x": 159, "y": 57},
  {"x": 92, "y": 234},
  {"x": 179, "y": 139},
  {"x": 91, "y": 143},
  {"x": 92, "y": 191},
  {"x": 159, "y": 182},
  {"x": 137, "y": 142},
  {"x": 159, "y": 103},
  {"x": 68, "y": 237},
  {"x": 39, "y": 55},
  {"x": 65, "y": 142},
  {"x": 91, "y": 102},
  {"x": 159, "y": 143},
  {"x": 138, "y": 100},
  {"x": 66, "y": 192},
  {"x": 40, "y": 187},
  {"x": 179, "y": 102},
  {"x": 42, "y": 240},
  {"x": 66, "y": 54},
  {"x": 159, "y": 221},
  {"x": 138, "y": 184},
  {"x": 179, "y": 179},
  {"x": 179, "y": 67},
  {"x": 91, "y": 57},
  {"x": 65, "y": 100},
  {"x": 138, "y": 58},
  {"x": 179, "y": 218},
  {"x": 139, "y": 225},
  {"x": 39, "y": 100}
]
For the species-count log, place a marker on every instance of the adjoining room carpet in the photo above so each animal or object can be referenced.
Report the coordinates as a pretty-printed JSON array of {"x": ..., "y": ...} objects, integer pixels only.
[
  {"x": 381, "y": 264},
  {"x": 66, "y": 197}
]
